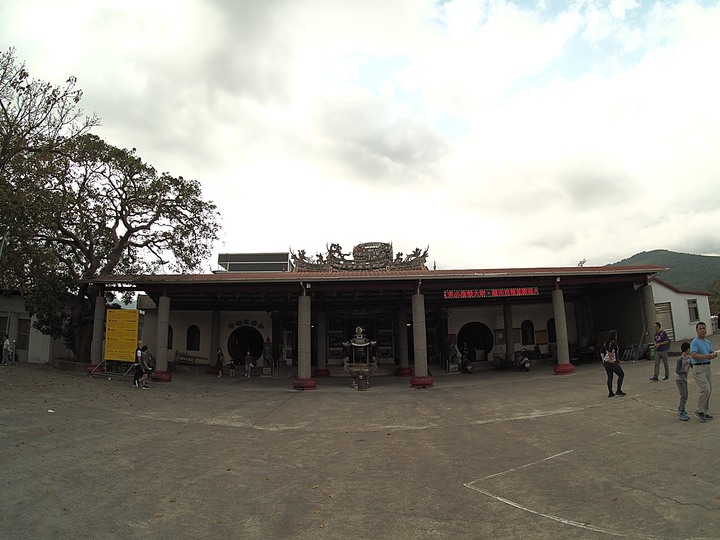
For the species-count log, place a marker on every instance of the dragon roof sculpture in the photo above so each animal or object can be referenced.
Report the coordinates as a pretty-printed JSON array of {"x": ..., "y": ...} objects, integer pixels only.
[{"x": 367, "y": 256}]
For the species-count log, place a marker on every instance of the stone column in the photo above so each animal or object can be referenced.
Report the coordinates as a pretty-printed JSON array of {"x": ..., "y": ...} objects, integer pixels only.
[
  {"x": 161, "y": 352},
  {"x": 648, "y": 310},
  {"x": 421, "y": 378},
  {"x": 96, "y": 347},
  {"x": 304, "y": 380},
  {"x": 404, "y": 368},
  {"x": 563, "y": 348},
  {"x": 215, "y": 335},
  {"x": 322, "y": 341},
  {"x": 509, "y": 335}
]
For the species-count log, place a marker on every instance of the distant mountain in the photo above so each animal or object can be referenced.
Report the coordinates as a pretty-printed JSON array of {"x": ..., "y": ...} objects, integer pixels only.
[
  {"x": 698, "y": 273},
  {"x": 686, "y": 271}
]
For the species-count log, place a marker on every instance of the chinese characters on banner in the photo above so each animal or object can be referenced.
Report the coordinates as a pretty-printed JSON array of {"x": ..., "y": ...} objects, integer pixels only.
[
  {"x": 121, "y": 334},
  {"x": 455, "y": 294}
]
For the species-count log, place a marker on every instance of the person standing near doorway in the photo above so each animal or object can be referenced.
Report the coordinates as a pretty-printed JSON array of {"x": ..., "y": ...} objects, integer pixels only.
[
  {"x": 662, "y": 347},
  {"x": 219, "y": 361},
  {"x": 702, "y": 355},
  {"x": 6, "y": 349},
  {"x": 248, "y": 363}
]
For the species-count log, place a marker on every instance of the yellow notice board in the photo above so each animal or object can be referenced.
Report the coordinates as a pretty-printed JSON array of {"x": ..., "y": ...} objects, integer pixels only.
[{"x": 121, "y": 334}]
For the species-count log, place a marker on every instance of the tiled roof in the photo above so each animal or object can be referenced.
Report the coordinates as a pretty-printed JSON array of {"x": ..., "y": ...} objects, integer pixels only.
[
  {"x": 680, "y": 291},
  {"x": 376, "y": 275}
]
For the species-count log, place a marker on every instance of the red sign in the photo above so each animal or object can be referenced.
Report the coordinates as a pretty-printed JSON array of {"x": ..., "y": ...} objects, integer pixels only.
[{"x": 462, "y": 294}]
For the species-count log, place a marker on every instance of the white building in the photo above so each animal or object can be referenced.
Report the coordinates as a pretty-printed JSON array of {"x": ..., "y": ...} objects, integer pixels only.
[
  {"x": 30, "y": 344},
  {"x": 679, "y": 311}
]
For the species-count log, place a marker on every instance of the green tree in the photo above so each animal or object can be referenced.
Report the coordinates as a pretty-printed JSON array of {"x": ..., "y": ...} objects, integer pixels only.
[
  {"x": 715, "y": 298},
  {"x": 73, "y": 207},
  {"x": 102, "y": 210},
  {"x": 36, "y": 120}
]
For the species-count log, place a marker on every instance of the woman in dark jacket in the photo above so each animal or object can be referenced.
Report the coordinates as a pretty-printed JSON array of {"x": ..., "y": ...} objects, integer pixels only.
[{"x": 611, "y": 362}]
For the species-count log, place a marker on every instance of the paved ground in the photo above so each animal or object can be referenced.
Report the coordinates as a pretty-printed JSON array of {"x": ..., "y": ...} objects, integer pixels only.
[{"x": 488, "y": 455}]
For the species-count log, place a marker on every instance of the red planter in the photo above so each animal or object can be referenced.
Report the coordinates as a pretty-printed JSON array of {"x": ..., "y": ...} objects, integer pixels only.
[
  {"x": 320, "y": 373},
  {"x": 562, "y": 369},
  {"x": 404, "y": 372},
  {"x": 422, "y": 381},
  {"x": 161, "y": 376},
  {"x": 304, "y": 383}
]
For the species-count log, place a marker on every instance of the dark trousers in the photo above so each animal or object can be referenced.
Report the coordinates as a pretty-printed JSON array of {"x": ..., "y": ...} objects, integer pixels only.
[
  {"x": 137, "y": 374},
  {"x": 611, "y": 369}
]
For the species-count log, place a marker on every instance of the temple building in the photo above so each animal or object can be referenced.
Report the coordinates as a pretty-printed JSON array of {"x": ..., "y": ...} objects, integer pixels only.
[{"x": 418, "y": 317}]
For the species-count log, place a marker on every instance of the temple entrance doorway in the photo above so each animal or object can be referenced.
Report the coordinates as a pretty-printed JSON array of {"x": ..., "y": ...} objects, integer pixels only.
[
  {"x": 243, "y": 339},
  {"x": 479, "y": 340}
]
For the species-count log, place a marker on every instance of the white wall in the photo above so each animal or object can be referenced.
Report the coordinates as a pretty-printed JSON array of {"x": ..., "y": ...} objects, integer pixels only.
[
  {"x": 682, "y": 325},
  {"x": 493, "y": 318},
  {"x": 180, "y": 321},
  {"x": 40, "y": 347}
]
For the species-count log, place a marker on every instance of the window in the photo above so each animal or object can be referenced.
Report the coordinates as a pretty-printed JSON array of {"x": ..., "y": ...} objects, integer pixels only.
[
  {"x": 23, "y": 335},
  {"x": 527, "y": 329},
  {"x": 693, "y": 310},
  {"x": 551, "y": 331},
  {"x": 193, "y": 338},
  {"x": 170, "y": 337}
]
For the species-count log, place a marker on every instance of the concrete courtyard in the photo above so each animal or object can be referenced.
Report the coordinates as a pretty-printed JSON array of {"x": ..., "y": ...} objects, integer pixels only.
[{"x": 488, "y": 455}]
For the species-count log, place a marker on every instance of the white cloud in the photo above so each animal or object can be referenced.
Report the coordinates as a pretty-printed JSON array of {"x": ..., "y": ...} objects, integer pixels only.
[{"x": 499, "y": 133}]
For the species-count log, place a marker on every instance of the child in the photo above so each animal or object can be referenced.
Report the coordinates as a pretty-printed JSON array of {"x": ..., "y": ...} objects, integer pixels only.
[
  {"x": 681, "y": 369},
  {"x": 232, "y": 366}
]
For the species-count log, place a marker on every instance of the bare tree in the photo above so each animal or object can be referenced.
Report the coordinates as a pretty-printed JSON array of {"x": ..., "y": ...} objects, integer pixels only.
[{"x": 36, "y": 116}]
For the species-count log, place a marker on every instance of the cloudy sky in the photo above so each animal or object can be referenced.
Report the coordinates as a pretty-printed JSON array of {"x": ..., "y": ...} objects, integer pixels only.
[{"x": 498, "y": 133}]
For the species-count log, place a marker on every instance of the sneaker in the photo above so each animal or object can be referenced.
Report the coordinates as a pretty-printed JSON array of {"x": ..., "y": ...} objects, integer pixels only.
[
  {"x": 610, "y": 394},
  {"x": 700, "y": 416},
  {"x": 145, "y": 387},
  {"x": 708, "y": 416},
  {"x": 684, "y": 416},
  {"x": 653, "y": 378},
  {"x": 620, "y": 393},
  {"x": 665, "y": 378}
]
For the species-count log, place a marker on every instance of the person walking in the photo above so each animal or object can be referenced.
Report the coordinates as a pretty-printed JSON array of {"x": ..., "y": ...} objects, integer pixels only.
[
  {"x": 662, "y": 347},
  {"x": 611, "y": 362},
  {"x": 248, "y": 363},
  {"x": 684, "y": 363},
  {"x": 219, "y": 361},
  {"x": 702, "y": 355},
  {"x": 137, "y": 365},
  {"x": 144, "y": 367},
  {"x": 6, "y": 349}
]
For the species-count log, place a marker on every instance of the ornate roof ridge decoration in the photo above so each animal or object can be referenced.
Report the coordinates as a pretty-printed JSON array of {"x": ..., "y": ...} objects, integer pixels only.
[{"x": 367, "y": 256}]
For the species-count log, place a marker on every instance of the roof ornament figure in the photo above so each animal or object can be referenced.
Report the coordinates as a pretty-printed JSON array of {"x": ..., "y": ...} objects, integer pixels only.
[{"x": 369, "y": 256}]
